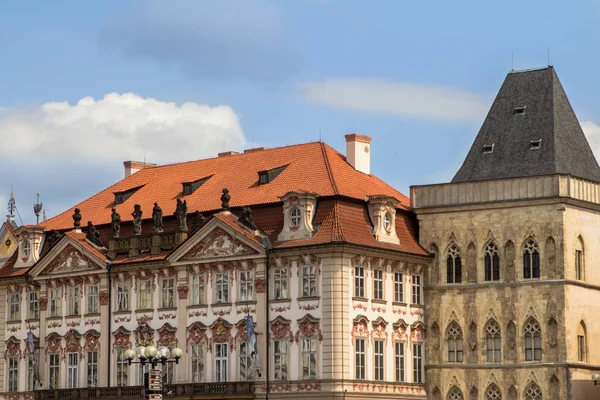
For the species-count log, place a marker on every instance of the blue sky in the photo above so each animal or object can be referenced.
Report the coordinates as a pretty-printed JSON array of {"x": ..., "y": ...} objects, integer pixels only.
[{"x": 417, "y": 76}]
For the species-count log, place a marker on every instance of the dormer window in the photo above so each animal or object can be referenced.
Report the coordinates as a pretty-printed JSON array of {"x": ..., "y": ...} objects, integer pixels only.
[
  {"x": 26, "y": 248},
  {"x": 488, "y": 148},
  {"x": 382, "y": 211},
  {"x": 535, "y": 144},
  {"x": 295, "y": 217},
  {"x": 298, "y": 209},
  {"x": 191, "y": 187},
  {"x": 519, "y": 111},
  {"x": 121, "y": 197},
  {"x": 267, "y": 176},
  {"x": 387, "y": 222}
]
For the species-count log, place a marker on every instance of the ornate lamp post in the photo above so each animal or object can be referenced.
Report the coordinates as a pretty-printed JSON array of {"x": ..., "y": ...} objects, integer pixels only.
[{"x": 152, "y": 355}]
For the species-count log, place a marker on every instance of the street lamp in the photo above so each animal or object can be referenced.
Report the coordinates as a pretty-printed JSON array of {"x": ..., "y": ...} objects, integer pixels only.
[
  {"x": 595, "y": 379},
  {"x": 152, "y": 355}
]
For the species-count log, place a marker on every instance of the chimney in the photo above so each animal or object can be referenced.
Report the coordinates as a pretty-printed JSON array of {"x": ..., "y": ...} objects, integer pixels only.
[
  {"x": 358, "y": 152},
  {"x": 131, "y": 167}
]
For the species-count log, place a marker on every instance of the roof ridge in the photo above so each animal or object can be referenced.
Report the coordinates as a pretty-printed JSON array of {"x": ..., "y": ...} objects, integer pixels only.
[{"x": 328, "y": 166}]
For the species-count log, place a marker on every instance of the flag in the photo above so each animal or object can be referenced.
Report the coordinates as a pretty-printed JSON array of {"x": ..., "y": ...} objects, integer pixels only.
[
  {"x": 36, "y": 369},
  {"x": 252, "y": 340}
]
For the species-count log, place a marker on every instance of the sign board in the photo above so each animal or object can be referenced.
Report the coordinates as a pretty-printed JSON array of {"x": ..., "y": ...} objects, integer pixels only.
[
  {"x": 154, "y": 381},
  {"x": 155, "y": 396}
]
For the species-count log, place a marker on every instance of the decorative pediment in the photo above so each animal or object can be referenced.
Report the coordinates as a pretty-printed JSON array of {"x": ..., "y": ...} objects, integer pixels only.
[
  {"x": 218, "y": 243},
  {"x": 221, "y": 330},
  {"x": 122, "y": 338},
  {"x": 281, "y": 327},
  {"x": 73, "y": 342},
  {"x": 308, "y": 326},
  {"x": 196, "y": 333},
  {"x": 70, "y": 259},
  {"x": 53, "y": 343},
  {"x": 144, "y": 335},
  {"x": 241, "y": 330},
  {"x": 13, "y": 348},
  {"x": 167, "y": 335},
  {"x": 92, "y": 340}
]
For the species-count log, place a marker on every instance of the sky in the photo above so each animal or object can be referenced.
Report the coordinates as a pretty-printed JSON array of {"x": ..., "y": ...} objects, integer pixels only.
[{"x": 85, "y": 86}]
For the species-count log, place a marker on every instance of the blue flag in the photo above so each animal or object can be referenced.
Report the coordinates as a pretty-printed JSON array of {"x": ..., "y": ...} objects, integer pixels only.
[
  {"x": 252, "y": 341},
  {"x": 31, "y": 344}
]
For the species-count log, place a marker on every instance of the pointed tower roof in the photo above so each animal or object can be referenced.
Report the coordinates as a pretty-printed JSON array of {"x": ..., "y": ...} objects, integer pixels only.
[{"x": 531, "y": 129}]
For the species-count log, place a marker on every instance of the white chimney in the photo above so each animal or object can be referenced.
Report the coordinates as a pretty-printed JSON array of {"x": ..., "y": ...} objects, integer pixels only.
[
  {"x": 358, "y": 152},
  {"x": 131, "y": 167}
]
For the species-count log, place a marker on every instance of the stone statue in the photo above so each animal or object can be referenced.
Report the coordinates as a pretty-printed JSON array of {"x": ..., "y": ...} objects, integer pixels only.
[
  {"x": 115, "y": 219},
  {"x": 247, "y": 219},
  {"x": 197, "y": 220},
  {"x": 77, "y": 218},
  {"x": 181, "y": 214},
  {"x": 93, "y": 235},
  {"x": 157, "y": 218},
  {"x": 225, "y": 200},
  {"x": 137, "y": 219}
]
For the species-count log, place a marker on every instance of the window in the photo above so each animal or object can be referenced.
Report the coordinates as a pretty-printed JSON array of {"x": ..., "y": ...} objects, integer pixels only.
[
  {"x": 535, "y": 144},
  {"x": 455, "y": 394},
  {"x": 280, "y": 289},
  {"x": 55, "y": 301},
  {"x": 166, "y": 373},
  {"x": 122, "y": 368},
  {"x": 31, "y": 372},
  {"x": 399, "y": 356},
  {"x": 493, "y": 393},
  {"x": 72, "y": 369},
  {"x": 581, "y": 343},
  {"x": 168, "y": 293},
  {"x": 197, "y": 362},
  {"x": 359, "y": 282},
  {"x": 122, "y": 297},
  {"x": 387, "y": 222},
  {"x": 519, "y": 110},
  {"x": 245, "y": 367},
  {"x": 531, "y": 260},
  {"x": 416, "y": 287},
  {"x": 145, "y": 295},
  {"x": 295, "y": 216},
  {"x": 280, "y": 360},
  {"x": 53, "y": 370},
  {"x": 26, "y": 248},
  {"x": 73, "y": 300},
  {"x": 488, "y": 148},
  {"x": 92, "y": 368},
  {"x": 579, "y": 265},
  {"x": 491, "y": 262},
  {"x": 34, "y": 305},
  {"x": 309, "y": 281},
  {"x": 360, "y": 358},
  {"x": 533, "y": 392},
  {"x": 265, "y": 177},
  {"x": 455, "y": 343},
  {"x": 379, "y": 365},
  {"x": 191, "y": 187},
  {"x": 222, "y": 288},
  {"x": 492, "y": 341},
  {"x": 378, "y": 284},
  {"x": 221, "y": 351},
  {"x": 309, "y": 359},
  {"x": 93, "y": 300},
  {"x": 15, "y": 307},
  {"x": 533, "y": 340},
  {"x": 198, "y": 289},
  {"x": 417, "y": 363},
  {"x": 453, "y": 265},
  {"x": 398, "y": 287},
  {"x": 246, "y": 286},
  {"x": 13, "y": 374}
]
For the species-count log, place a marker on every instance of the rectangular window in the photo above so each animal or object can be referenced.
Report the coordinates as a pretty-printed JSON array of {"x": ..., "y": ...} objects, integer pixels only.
[
  {"x": 309, "y": 281},
  {"x": 579, "y": 264},
  {"x": 55, "y": 301},
  {"x": 166, "y": 373},
  {"x": 533, "y": 348},
  {"x": 360, "y": 358},
  {"x": 145, "y": 295},
  {"x": 378, "y": 284},
  {"x": 168, "y": 293},
  {"x": 31, "y": 376},
  {"x": 359, "y": 282},
  {"x": 73, "y": 300},
  {"x": 417, "y": 363},
  {"x": 379, "y": 365},
  {"x": 222, "y": 288},
  {"x": 53, "y": 370},
  {"x": 245, "y": 366},
  {"x": 13, "y": 374},
  {"x": 197, "y": 363},
  {"x": 309, "y": 359},
  {"x": 197, "y": 289},
  {"x": 280, "y": 360},
  {"x": 34, "y": 305},
  {"x": 493, "y": 348},
  {"x": 92, "y": 368},
  {"x": 398, "y": 287},
  {"x": 416, "y": 289},
  {"x": 15, "y": 307},
  {"x": 122, "y": 297},
  {"x": 399, "y": 353},
  {"x": 122, "y": 368},
  {"x": 221, "y": 351},
  {"x": 246, "y": 286},
  {"x": 72, "y": 370},
  {"x": 93, "y": 299},
  {"x": 580, "y": 348},
  {"x": 280, "y": 288}
]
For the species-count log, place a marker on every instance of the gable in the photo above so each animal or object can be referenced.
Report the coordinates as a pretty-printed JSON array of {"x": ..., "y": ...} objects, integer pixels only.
[
  {"x": 218, "y": 243},
  {"x": 8, "y": 242},
  {"x": 66, "y": 260}
]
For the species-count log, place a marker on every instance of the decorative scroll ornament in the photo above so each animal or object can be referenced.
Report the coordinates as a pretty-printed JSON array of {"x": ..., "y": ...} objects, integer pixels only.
[
  {"x": 308, "y": 326},
  {"x": 73, "y": 342},
  {"x": 281, "y": 328},
  {"x": 182, "y": 291},
  {"x": 13, "y": 348},
  {"x": 144, "y": 335},
  {"x": 122, "y": 339},
  {"x": 53, "y": 343},
  {"x": 196, "y": 333},
  {"x": 92, "y": 340},
  {"x": 70, "y": 259},
  {"x": 167, "y": 335},
  {"x": 218, "y": 244}
]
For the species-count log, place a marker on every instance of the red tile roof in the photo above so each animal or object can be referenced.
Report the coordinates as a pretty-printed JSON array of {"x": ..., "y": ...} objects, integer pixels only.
[{"x": 7, "y": 270}]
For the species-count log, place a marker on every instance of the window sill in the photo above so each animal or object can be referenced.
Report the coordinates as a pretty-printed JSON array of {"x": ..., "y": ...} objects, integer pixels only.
[
  {"x": 399, "y": 303},
  {"x": 144, "y": 310},
  {"x": 14, "y": 321},
  {"x": 221, "y": 305},
  {"x": 309, "y": 298},
  {"x": 97, "y": 314},
  {"x": 124, "y": 312},
  {"x": 245, "y": 303},
  {"x": 279, "y": 301},
  {"x": 377, "y": 301},
  {"x": 167, "y": 309},
  {"x": 57, "y": 317},
  {"x": 73, "y": 316},
  {"x": 413, "y": 305},
  {"x": 192, "y": 306},
  {"x": 360, "y": 299},
  {"x": 32, "y": 320}
]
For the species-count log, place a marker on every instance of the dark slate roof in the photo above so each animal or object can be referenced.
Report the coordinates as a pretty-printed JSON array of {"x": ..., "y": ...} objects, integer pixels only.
[{"x": 548, "y": 116}]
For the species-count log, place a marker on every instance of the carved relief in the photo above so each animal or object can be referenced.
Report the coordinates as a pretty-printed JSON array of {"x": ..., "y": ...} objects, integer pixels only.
[
  {"x": 92, "y": 340},
  {"x": 281, "y": 328},
  {"x": 221, "y": 332},
  {"x": 73, "y": 342},
  {"x": 308, "y": 326},
  {"x": 417, "y": 331},
  {"x": 167, "y": 336},
  {"x": 103, "y": 298},
  {"x": 43, "y": 303},
  {"x": 13, "y": 348},
  {"x": 69, "y": 260},
  {"x": 196, "y": 334},
  {"x": 182, "y": 291},
  {"x": 260, "y": 285},
  {"x": 218, "y": 244},
  {"x": 53, "y": 344},
  {"x": 241, "y": 330},
  {"x": 144, "y": 335},
  {"x": 122, "y": 339},
  {"x": 510, "y": 350},
  {"x": 378, "y": 331},
  {"x": 360, "y": 327}
]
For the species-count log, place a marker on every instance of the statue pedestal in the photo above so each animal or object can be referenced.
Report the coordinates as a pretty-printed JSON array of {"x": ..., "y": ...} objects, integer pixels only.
[
  {"x": 156, "y": 242},
  {"x": 134, "y": 246},
  {"x": 112, "y": 248},
  {"x": 180, "y": 237}
]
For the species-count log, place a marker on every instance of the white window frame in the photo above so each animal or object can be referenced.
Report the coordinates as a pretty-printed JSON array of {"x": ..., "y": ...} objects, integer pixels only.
[
  {"x": 309, "y": 358},
  {"x": 122, "y": 296},
  {"x": 167, "y": 373},
  {"x": 92, "y": 368},
  {"x": 73, "y": 301},
  {"x": 360, "y": 359},
  {"x": 93, "y": 299},
  {"x": 34, "y": 305},
  {"x": 198, "y": 289},
  {"x": 280, "y": 360},
  {"x": 309, "y": 281},
  {"x": 55, "y": 302},
  {"x": 221, "y": 352},
  {"x": 15, "y": 307},
  {"x": 398, "y": 287},
  {"x": 416, "y": 289},
  {"x": 379, "y": 360},
  {"x": 417, "y": 362},
  {"x": 26, "y": 248},
  {"x": 145, "y": 294},
  {"x": 72, "y": 370},
  {"x": 31, "y": 372},
  {"x": 122, "y": 369},
  {"x": 54, "y": 370},
  {"x": 167, "y": 298},
  {"x": 295, "y": 216},
  {"x": 245, "y": 363},
  {"x": 13, "y": 374},
  {"x": 246, "y": 284},
  {"x": 222, "y": 287},
  {"x": 197, "y": 362},
  {"x": 359, "y": 281},
  {"x": 400, "y": 360},
  {"x": 378, "y": 292},
  {"x": 280, "y": 284}
]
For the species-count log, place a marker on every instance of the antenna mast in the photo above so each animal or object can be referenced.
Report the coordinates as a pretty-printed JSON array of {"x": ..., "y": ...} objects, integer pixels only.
[{"x": 37, "y": 207}]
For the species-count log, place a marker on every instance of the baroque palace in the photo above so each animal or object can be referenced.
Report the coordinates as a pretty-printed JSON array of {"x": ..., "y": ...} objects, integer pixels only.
[{"x": 482, "y": 288}]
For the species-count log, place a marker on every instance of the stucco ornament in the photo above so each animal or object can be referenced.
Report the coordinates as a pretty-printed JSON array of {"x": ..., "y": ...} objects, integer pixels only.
[{"x": 218, "y": 244}]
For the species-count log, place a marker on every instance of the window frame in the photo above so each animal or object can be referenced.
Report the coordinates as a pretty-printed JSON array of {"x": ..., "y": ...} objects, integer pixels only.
[
  {"x": 295, "y": 217},
  {"x": 54, "y": 371},
  {"x": 197, "y": 362},
  {"x": 91, "y": 368},
  {"x": 72, "y": 370},
  {"x": 379, "y": 360},
  {"x": 493, "y": 342},
  {"x": 454, "y": 343},
  {"x": 579, "y": 264},
  {"x": 167, "y": 293},
  {"x": 93, "y": 299},
  {"x": 122, "y": 294},
  {"x": 491, "y": 263},
  {"x": 221, "y": 365},
  {"x": 416, "y": 290},
  {"x": 360, "y": 359},
  {"x": 244, "y": 362},
  {"x": 246, "y": 283},
  {"x": 145, "y": 294},
  {"x": 34, "y": 305},
  {"x": 531, "y": 257},
  {"x": 73, "y": 301},
  {"x": 309, "y": 280},
  {"x": 417, "y": 362},
  {"x": 280, "y": 360},
  {"x": 222, "y": 287},
  {"x": 399, "y": 287},
  {"x": 359, "y": 281},
  {"x": 532, "y": 338},
  {"x": 122, "y": 370},
  {"x": 13, "y": 374},
  {"x": 378, "y": 284},
  {"x": 198, "y": 289},
  {"x": 453, "y": 265},
  {"x": 581, "y": 348},
  {"x": 308, "y": 352},
  {"x": 399, "y": 361},
  {"x": 55, "y": 302},
  {"x": 15, "y": 307},
  {"x": 280, "y": 275}
]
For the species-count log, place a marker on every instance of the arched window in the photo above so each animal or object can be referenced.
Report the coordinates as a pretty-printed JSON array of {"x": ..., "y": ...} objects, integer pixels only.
[
  {"x": 493, "y": 392},
  {"x": 531, "y": 260},
  {"x": 455, "y": 394},
  {"x": 581, "y": 342},
  {"x": 491, "y": 262},
  {"x": 533, "y": 392},
  {"x": 492, "y": 341},
  {"x": 26, "y": 248},
  {"x": 454, "y": 265},
  {"x": 579, "y": 259},
  {"x": 455, "y": 344},
  {"x": 533, "y": 340}
]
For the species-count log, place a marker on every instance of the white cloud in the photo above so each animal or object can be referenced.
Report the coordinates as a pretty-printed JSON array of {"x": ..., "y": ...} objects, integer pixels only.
[
  {"x": 592, "y": 132},
  {"x": 397, "y": 98},
  {"x": 119, "y": 127}
]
